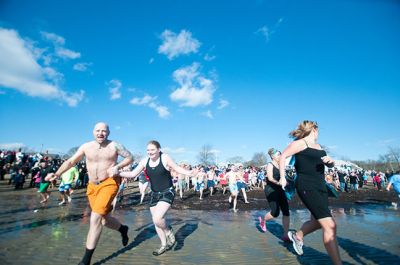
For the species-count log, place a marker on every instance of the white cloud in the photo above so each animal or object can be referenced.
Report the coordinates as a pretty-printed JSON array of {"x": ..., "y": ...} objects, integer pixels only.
[
  {"x": 208, "y": 114},
  {"x": 177, "y": 44},
  {"x": 20, "y": 70},
  {"x": 151, "y": 102},
  {"x": 66, "y": 53},
  {"x": 81, "y": 67},
  {"x": 60, "y": 50},
  {"x": 223, "y": 104},
  {"x": 53, "y": 75},
  {"x": 267, "y": 32},
  {"x": 209, "y": 58},
  {"x": 264, "y": 31},
  {"x": 54, "y": 38},
  {"x": 195, "y": 90},
  {"x": 179, "y": 150},
  {"x": 114, "y": 88},
  {"x": 12, "y": 146},
  {"x": 143, "y": 101},
  {"x": 73, "y": 99}
]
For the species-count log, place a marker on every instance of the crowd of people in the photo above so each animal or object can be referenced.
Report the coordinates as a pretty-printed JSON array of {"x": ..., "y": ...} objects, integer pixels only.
[{"x": 104, "y": 178}]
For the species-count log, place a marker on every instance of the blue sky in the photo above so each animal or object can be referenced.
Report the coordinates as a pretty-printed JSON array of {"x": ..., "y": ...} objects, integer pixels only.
[{"x": 238, "y": 75}]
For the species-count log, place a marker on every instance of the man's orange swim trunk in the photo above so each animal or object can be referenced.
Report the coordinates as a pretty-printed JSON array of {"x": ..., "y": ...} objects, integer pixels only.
[{"x": 102, "y": 195}]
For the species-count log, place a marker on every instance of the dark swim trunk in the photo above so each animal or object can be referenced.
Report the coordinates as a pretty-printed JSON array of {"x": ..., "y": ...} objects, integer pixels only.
[{"x": 167, "y": 196}]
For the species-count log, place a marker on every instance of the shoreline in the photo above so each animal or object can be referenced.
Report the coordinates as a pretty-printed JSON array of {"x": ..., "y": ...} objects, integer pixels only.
[{"x": 219, "y": 201}]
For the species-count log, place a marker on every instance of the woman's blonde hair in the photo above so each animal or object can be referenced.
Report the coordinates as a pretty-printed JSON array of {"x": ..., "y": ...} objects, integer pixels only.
[{"x": 303, "y": 129}]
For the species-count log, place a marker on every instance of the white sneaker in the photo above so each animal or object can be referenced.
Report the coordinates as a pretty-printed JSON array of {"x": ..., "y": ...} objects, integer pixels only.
[
  {"x": 61, "y": 203},
  {"x": 297, "y": 244}
]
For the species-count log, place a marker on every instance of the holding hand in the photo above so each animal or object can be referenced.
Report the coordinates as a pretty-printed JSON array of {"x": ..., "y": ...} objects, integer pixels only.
[{"x": 113, "y": 171}]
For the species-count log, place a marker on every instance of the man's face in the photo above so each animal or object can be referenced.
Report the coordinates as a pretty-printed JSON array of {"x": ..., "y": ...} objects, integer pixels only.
[{"x": 101, "y": 132}]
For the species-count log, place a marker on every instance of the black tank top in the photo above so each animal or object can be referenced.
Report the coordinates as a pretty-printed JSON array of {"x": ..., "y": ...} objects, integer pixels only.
[
  {"x": 310, "y": 169},
  {"x": 276, "y": 175},
  {"x": 160, "y": 178}
]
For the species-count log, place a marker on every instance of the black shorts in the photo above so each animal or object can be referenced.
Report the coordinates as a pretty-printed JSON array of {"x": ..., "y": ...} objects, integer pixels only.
[
  {"x": 316, "y": 201},
  {"x": 277, "y": 201},
  {"x": 167, "y": 195}
]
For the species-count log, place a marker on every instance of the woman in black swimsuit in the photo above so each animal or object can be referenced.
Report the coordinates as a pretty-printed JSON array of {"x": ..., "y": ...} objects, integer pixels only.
[
  {"x": 275, "y": 195},
  {"x": 158, "y": 166},
  {"x": 310, "y": 164}
]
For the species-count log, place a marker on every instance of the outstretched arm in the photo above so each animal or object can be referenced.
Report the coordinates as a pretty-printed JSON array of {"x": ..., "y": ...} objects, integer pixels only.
[
  {"x": 174, "y": 166},
  {"x": 134, "y": 173},
  {"x": 71, "y": 162}
]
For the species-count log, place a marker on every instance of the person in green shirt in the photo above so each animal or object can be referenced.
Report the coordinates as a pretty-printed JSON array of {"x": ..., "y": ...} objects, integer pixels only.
[{"x": 65, "y": 189}]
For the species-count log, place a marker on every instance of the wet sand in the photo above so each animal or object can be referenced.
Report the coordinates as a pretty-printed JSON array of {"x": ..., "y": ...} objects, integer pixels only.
[{"x": 368, "y": 233}]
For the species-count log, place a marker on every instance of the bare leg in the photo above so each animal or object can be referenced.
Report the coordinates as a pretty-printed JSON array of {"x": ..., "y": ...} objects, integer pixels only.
[
  {"x": 285, "y": 224},
  {"x": 211, "y": 191},
  {"x": 268, "y": 216},
  {"x": 234, "y": 202},
  {"x": 110, "y": 222},
  {"x": 201, "y": 193},
  {"x": 44, "y": 197},
  {"x": 94, "y": 230},
  {"x": 158, "y": 214},
  {"x": 244, "y": 195},
  {"x": 62, "y": 198},
  {"x": 143, "y": 188},
  {"x": 329, "y": 237},
  {"x": 308, "y": 227}
]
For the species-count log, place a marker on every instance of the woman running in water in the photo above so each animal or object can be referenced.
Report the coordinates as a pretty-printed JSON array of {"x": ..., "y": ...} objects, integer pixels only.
[
  {"x": 310, "y": 185},
  {"x": 158, "y": 166},
  {"x": 275, "y": 195}
]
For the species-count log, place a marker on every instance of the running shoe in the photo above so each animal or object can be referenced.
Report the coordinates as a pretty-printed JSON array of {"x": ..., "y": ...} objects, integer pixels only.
[
  {"x": 61, "y": 203},
  {"x": 297, "y": 244},
  {"x": 262, "y": 224},
  {"x": 160, "y": 251},
  {"x": 171, "y": 240}
]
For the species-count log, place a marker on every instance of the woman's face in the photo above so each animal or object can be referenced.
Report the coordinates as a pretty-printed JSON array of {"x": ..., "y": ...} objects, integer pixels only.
[
  {"x": 152, "y": 151},
  {"x": 276, "y": 156}
]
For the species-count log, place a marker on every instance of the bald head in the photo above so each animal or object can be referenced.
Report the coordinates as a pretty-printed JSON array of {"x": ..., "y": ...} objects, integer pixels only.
[
  {"x": 101, "y": 132},
  {"x": 101, "y": 125}
]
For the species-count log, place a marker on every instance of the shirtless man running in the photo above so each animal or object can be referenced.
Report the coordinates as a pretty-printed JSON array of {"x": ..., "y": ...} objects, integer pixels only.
[{"x": 101, "y": 155}]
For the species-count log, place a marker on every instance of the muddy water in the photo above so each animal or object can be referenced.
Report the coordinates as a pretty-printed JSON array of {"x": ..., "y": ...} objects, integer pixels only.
[{"x": 29, "y": 234}]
